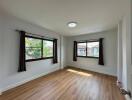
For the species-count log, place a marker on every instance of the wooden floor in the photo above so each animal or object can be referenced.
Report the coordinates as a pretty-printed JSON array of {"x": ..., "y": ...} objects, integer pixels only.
[{"x": 67, "y": 84}]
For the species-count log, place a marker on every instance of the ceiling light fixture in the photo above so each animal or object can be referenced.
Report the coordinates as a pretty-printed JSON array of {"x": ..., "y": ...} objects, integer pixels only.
[{"x": 72, "y": 24}]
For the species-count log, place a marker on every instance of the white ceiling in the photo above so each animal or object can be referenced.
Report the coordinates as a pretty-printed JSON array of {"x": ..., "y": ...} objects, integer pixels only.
[{"x": 91, "y": 15}]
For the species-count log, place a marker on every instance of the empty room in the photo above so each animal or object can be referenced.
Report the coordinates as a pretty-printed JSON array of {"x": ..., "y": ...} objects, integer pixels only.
[{"x": 65, "y": 50}]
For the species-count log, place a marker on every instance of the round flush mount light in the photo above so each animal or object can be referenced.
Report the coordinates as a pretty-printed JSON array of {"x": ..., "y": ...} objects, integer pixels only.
[{"x": 72, "y": 24}]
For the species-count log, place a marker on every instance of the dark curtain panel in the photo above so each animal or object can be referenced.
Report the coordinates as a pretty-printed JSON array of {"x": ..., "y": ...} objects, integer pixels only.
[
  {"x": 75, "y": 51},
  {"x": 55, "y": 55},
  {"x": 22, "y": 64},
  {"x": 101, "y": 55}
]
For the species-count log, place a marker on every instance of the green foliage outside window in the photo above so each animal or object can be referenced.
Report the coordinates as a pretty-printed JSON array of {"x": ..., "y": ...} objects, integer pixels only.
[
  {"x": 34, "y": 48},
  {"x": 47, "y": 48}
]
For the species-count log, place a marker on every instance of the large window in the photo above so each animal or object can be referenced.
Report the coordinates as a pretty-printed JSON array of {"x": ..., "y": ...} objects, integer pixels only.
[
  {"x": 88, "y": 49},
  {"x": 37, "y": 48}
]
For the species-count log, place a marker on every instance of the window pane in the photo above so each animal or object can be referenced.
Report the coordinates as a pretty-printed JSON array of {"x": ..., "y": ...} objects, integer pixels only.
[
  {"x": 32, "y": 42},
  {"x": 33, "y": 48},
  {"x": 93, "y": 49},
  {"x": 81, "y": 49},
  {"x": 33, "y": 53},
  {"x": 47, "y": 48}
]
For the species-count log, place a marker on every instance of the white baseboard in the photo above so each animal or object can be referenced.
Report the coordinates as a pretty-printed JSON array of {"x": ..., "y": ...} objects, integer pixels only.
[{"x": 24, "y": 81}]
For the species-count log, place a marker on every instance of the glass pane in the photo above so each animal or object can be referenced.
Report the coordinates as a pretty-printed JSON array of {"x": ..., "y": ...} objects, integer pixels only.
[
  {"x": 32, "y": 42},
  {"x": 93, "y": 49},
  {"x": 47, "y": 48},
  {"x": 33, "y": 53},
  {"x": 81, "y": 49}
]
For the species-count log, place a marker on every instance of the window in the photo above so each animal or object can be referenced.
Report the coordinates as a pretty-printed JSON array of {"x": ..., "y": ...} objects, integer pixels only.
[
  {"x": 38, "y": 48},
  {"x": 88, "y": 49},
  {"x": 81, "y": 49},
  {"x": 33, "y": 48},
  {"x": 47, "y": 48},
  {"x": 93, "y": 49}
]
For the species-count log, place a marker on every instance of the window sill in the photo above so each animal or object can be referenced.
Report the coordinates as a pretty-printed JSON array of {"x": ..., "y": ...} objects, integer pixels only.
[
  {"x": 88, "y": 57},
  {"x": 30, "y": 60}
]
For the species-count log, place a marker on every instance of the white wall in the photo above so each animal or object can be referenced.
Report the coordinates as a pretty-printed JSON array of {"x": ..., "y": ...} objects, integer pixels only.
[
  {"x": 63, "y": 52},
  {"x": 1, "y": 47},
  {"x": 119, "y": 53},
  {"x": 126, "y": 34},
  {"x": 10, "y": 54},
  {"x": 110, "y": 53},
  {"x": 127, "y": 52}
]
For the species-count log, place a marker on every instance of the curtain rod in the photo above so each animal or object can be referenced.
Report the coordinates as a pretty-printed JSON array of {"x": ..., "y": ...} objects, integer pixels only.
[{"x": 30, "y": 34}]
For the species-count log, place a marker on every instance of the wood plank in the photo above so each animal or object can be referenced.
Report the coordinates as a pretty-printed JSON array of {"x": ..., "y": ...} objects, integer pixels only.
[{"x": 67, "y": 84}]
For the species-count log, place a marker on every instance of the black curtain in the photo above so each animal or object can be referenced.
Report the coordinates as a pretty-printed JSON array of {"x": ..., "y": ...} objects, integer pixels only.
[
  {"x": 22, "y": 64},
  {"x": 55, "y": 55},
  {"x": 75, "y": 51},
  {"x": 101, "y": 55}
]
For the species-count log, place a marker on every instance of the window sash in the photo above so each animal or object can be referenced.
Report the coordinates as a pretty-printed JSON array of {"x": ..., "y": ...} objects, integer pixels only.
[
  {"x": 83, "y": 49},
  {"x": 45, "y": 47}
]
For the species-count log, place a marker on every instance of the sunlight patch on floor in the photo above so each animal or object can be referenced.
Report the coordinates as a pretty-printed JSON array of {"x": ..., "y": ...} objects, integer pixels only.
[{"x": 79, "y": 72}]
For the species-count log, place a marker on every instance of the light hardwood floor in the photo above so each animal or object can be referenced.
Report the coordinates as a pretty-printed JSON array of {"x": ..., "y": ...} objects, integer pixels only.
[{"x": 67, "y": 84}]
